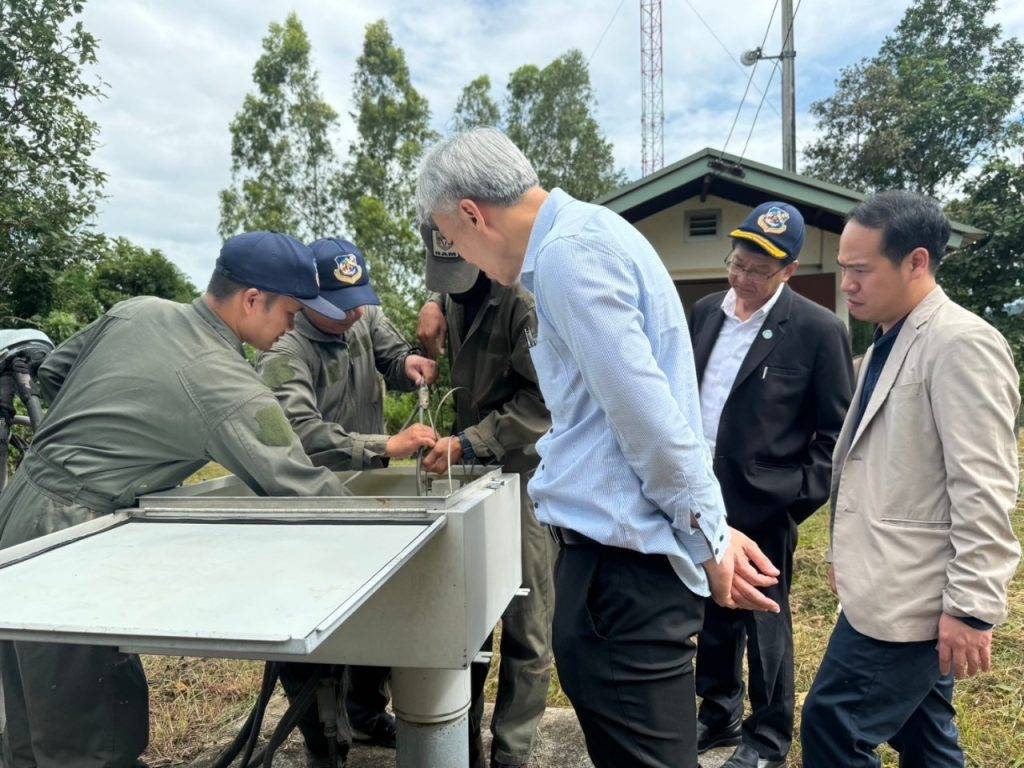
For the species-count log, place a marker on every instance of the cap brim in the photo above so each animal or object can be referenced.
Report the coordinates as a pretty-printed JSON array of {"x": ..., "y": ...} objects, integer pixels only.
[
  {"x": 450, "y": 275},
  {"x": 323, "y": 307},
  {"x": 767, "y": 245},
  {"x": 347, "y": 299}
]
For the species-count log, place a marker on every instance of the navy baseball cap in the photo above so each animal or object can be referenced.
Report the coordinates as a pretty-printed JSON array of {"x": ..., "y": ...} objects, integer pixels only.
[
  {"x": 344, "y": 278},
  {"x": 275, "y": 263},
  {"x": 776, "y": 228},
  {"x": 447, "y": 272}
]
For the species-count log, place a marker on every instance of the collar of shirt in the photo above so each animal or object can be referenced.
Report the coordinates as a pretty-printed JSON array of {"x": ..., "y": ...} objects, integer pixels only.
[
  {"x": 541, "y": 227},
  {"x": 887, "y": 338},
  {"x": 729, "y": 305},
  {"x": 310, "y": 331},
  {"x": 214, "y": 321}
]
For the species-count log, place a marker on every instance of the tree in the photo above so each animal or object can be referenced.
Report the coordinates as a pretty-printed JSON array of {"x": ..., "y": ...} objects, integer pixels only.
[
  {"x": 285, "y": 174},
  {"x": 392, "y": 119},
  {"x": 48, "y": 187},
  {"x": 549, "y": 115},
  {"x": 988, "y": 278},
  {"x": 128, "y": 270},
  {"x": 934, "y": 100},
  {"x": 476, "y": 108},
  {"x": 84, "y": 291}
]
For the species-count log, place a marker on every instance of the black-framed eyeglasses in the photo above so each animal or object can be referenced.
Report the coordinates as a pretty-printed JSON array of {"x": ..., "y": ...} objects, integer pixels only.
[{"x": 754, "y": 275}]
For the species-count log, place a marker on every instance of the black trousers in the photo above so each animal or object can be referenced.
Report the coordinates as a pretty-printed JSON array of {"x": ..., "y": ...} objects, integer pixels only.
[
  {"x": 623, "y": 638},
  {"x": 73, "y": 706},
  {"x": 870, "y": 691},
  {"x": 293, "y": 677},
  {"x": 478, "y": 672},
  {"x": 767, "y": 641},
  {"x": 369, "y": 691}
]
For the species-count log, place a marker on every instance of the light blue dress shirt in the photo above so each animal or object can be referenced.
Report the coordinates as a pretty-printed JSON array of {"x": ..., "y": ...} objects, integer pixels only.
[{"x": 625, "y": 462}]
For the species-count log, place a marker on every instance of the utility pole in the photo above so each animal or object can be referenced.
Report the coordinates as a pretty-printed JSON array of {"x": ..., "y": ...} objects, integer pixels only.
[
  {"x": 652, "y": 119},
  {"x": 786, "y": 58},
  {"x": 788, "y": 89}
]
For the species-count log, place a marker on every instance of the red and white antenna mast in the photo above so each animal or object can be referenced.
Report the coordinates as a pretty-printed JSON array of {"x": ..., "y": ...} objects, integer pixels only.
[{"x": 651, "y": 89}]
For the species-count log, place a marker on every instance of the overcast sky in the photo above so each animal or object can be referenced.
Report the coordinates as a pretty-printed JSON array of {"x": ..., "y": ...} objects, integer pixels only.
[{"x": 178, "y": 70}]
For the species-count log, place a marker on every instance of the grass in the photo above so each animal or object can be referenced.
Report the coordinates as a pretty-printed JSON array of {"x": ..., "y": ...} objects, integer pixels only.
[{"x": 194, "y": 699}]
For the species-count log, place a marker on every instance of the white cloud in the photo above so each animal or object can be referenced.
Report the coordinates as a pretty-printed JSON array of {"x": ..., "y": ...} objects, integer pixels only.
[{"x": 179, "y": 69}]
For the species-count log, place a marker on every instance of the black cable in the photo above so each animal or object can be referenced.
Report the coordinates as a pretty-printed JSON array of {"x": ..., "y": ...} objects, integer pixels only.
[
  {"x": 771, "y": 77},
  {"x": 750, "y": 80},
  {"x": 270, "y": 675},
  {"x": 227, "y": 757},
  {"x": 606, "y": 28},
  {"x": 253, "y": 721},
  {"x": 725, "y": 48},
  {"x": 296, "y": 710}
]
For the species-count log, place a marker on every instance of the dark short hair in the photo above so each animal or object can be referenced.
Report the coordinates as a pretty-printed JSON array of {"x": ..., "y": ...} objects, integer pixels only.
[
  {"x": 907, "y": 221},
  {"x": 221, "y": 288}
]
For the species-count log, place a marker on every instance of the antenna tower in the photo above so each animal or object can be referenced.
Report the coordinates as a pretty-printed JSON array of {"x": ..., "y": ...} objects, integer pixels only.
[{"x": 653, "y": 116}]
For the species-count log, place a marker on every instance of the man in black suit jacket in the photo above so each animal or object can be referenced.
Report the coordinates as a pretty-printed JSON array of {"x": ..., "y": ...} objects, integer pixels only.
[{"x": 776, "y": 381}]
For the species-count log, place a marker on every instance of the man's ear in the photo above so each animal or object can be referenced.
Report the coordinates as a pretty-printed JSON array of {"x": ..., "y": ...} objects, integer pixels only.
[
  {"x": 471, "y": 212},
  {"x": 249, "y": 296},
  {"x": 789, "y": 270},
  {"x": 919, "y": 260}
]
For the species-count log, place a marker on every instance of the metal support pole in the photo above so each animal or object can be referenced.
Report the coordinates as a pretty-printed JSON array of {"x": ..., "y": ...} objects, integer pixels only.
[
  {"x": 788, "y": 89},
  {"x": 7, "y": 391},
  {"x": 432, "y": 707}
]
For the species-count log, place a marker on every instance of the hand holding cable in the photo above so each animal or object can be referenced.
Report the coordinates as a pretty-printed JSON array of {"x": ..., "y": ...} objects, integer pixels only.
[{"x": 421, "y": 371}]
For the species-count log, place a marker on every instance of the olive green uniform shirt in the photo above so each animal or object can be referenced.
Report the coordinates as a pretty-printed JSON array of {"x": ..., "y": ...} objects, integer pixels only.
[
  {"x": 502, "y": 414},
  {"x": 330, "y": 387},
  {"x": 139, "y": 400},
  {"x": 499, "y": 407},
  {"x": 148, "y": 394}
]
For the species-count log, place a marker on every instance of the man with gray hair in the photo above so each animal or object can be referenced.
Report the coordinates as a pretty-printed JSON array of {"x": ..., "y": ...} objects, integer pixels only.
[{"x": 625, "y": 483}]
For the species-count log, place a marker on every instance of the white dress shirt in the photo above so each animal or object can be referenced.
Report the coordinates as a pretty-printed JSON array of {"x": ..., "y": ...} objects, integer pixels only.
[{"x": 734, "y": 340}]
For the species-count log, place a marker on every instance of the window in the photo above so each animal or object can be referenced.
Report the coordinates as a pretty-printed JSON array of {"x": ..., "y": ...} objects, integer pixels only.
[{"x": 702, "y": 225}]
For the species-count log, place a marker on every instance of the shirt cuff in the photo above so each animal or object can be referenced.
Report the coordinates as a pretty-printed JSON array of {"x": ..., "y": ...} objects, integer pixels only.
[
  {"x": 369, "y": 451},
  {"x": 467, "y": 447},
  {"x": 701, "y": 547},
  {"x": 974, "y": 623},
  {"x": 484, "y": 446},
  {"x": 696, "y": 546}
]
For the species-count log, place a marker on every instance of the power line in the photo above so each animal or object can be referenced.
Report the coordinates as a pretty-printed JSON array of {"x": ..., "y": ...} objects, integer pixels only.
[
  {"x": 725, "y": 48},
  {"x": 750, "y": 80},
  {"x": 606, "y": 28},
  {"x": 775, "y": 68}
]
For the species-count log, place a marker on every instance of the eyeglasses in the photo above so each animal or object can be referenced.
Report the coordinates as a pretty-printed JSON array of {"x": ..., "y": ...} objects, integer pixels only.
[{"x": 753, "y": 275}]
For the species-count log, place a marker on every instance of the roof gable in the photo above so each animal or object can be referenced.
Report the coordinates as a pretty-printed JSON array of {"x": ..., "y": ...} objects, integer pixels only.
[{"x": 710, "y": 171}]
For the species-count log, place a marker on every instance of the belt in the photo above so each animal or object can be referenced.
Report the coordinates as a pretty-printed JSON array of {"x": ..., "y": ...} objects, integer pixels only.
[
  {"x": 567, "y": 537},
  {"x": 57, "y": 481}
]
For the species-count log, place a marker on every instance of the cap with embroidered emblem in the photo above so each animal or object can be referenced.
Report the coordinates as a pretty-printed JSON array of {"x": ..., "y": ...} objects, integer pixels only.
[
  {"x": 344, "y": 278},
  {"x": 447, "y": 272},
  {"x": 776, "y": 228},
  {"x": 276, "y": 263}
]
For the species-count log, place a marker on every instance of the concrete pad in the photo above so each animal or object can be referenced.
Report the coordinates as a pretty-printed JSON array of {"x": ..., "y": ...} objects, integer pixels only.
[{"x": 559, "y": 745}]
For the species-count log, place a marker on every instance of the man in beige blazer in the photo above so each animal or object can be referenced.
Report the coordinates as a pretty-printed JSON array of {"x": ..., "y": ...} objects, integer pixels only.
[{"x": 925, "y": 475}]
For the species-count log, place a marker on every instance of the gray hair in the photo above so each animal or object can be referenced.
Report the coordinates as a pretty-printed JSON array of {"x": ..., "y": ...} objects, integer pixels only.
[{"x": 482, "y": 165}]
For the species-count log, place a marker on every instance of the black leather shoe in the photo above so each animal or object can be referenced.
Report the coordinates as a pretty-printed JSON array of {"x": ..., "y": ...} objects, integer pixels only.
[
  {"x": 476, "y": 752},
  {"x": 380, "y": 732},
  {"x": 710, "y": 738},
  {"x": 747, "y": 757},
  {"x": 321, "y": 761}
]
